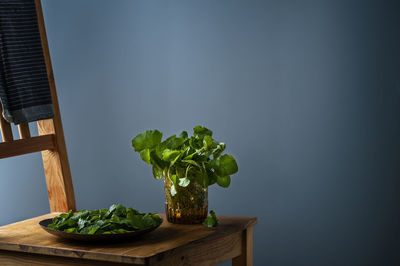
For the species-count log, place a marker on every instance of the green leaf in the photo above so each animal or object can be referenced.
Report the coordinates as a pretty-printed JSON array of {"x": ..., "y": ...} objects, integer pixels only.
[
  {"x": 180, "y": 172},
  {"x": 145, "y": 155},
  {"x": 80, "y": 215},
  {"x": 218, "y": 150},
  {"x": 174, "y": 179},
  {"x": 195, "y": 143},
  {"x": 225, "y": 165},
  {"x": 183, "y": 134},
  {"x": 130, "y": 212},
  {"x": 90, "y": 230},
  {"x": 202, "y": 179},
  {"x": 155, "y": 160},
  {"x": 224, "y": 181},
  {"x": 146, "y": 140},
  {"x": 136, "y": 222},
  {"x": 157, "y": 172},
  {"x": 176, "y": 159},
  {"x": 169, "y": 155},
  {"x": 208, "y": 141},
  {"x": 173, "y": 190},
  {"x": 93, "y": 230},
  {"x": 212, "y": 220},
  {"x": 71, "y": 230},
  {"x": 184, "y": 182},
  {"x": 114, "y": 207},
  {"x": 173, "y": 143},
  {"x": 191, "y": 162},
  {"x": 201, "y": 131},
  {"x": 115, "y": 219},
  {"x": 212, "y": 178},
  {"x": 81, "y": 223}
]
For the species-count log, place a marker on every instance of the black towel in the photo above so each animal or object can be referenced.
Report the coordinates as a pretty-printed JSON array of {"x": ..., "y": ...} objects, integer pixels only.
[{"x": 24, "y": 86}]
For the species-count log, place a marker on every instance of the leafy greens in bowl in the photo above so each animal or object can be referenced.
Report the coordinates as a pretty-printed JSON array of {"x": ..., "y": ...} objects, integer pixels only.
[{"x": 115, "y": 220}]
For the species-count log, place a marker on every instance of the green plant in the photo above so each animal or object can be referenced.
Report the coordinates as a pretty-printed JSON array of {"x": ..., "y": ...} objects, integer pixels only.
[
  {"x": 116, "y": 220},
  {"x": 183, "y": 159},
  {"x": 211, "y": 220}
]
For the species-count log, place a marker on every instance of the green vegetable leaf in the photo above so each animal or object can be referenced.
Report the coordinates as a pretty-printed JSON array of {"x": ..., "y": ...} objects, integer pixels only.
[
  {"x": 174, "y": 179},
  {"x": 156, "y": 160},
  {"x": 180, "y": 172},
  {"x": 183, "y": 134},
  {"x": 176, "y": 159},
  {"x": 208, "y": 141},
  {"x": 71, "y": 230},
  {"x": 114, "y": 207},
  {"x": 137, "y": 222},
  {"x": 192, "y": 163},
  {"x": 195, "y": 143},
  {"x": 169, "y": 155},
  {"x": 200, "y": 131},
  {"x": 202, "y": 179},
  {"x": 225, "y": 165},
  {"x": 212, "y": 220},
  {"x": 157, "y": 172},
  {"x": 224, "y": 181},
  {"x": 93, "y": 230},
  {"x": 81, "y": 223},
  {"x": 212, "y": 177},
  {"x": 218, "y": 150},
  {"x": 145, "y": 155},
  {"x": 173, "y": 142},
  {"x": 173, "y": 190},
  {"x": 146, "y": 140},
  {"x": 184, "y": 182}
]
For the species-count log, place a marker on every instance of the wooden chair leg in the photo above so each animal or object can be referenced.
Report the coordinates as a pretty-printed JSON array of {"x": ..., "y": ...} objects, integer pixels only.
[{"x": 246, "y": 258}]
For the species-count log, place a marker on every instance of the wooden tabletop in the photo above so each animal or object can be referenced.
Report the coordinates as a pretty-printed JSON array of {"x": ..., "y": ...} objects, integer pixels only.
[{"x": 28, "y": 236}]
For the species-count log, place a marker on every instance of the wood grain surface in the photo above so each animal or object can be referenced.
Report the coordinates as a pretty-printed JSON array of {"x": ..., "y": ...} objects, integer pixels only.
[
  {"x": 24, "y": 146},
  {"x": 55, "y": 162},
  {"x": 23, "y": 130},
  {"x": 170, "y": 244},
  {"x": 246, "y": 255}
]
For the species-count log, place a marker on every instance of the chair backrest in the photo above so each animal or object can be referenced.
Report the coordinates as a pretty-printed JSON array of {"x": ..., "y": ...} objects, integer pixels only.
[{"x": 50, "y": 141}]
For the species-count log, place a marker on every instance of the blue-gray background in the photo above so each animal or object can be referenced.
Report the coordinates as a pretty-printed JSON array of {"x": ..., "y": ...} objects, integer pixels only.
[{"x": 306, "y": 94}]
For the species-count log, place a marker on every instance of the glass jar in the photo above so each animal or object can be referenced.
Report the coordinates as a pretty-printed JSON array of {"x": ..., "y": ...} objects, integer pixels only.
[{"x": 188, "y": 206}]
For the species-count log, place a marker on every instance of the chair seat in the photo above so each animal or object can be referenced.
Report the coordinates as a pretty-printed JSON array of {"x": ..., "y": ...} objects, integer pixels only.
[{"x": 170, "y": 244}]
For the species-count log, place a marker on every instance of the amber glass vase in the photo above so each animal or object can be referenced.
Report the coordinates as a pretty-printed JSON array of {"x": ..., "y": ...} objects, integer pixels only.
[{"x": 188, "y": 206}]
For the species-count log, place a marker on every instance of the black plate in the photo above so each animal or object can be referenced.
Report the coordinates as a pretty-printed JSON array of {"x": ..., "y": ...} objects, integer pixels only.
[{"x": 86, "y": 237}]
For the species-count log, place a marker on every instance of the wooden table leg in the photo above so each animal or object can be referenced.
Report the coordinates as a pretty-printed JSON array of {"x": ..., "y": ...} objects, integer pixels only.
[{"x": 246, "y": 258}]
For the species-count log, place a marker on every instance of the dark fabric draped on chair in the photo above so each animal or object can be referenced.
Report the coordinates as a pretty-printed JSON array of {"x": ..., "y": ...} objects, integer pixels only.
[{"x": 24, "y": 86}]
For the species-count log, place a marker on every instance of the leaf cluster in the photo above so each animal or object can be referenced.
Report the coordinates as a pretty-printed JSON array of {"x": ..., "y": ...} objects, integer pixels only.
[
  {"x": 115, "y": 220},
  {"x": 185, "y": 159},
  {"x": 211, "y": 220}
]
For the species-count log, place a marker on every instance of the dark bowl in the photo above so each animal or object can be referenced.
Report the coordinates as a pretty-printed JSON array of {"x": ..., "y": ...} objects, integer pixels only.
[{"x": 94, "y": 237}]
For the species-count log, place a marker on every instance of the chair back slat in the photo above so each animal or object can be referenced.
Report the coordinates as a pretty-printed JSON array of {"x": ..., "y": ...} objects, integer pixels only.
[{"x": 23, "y": 130}]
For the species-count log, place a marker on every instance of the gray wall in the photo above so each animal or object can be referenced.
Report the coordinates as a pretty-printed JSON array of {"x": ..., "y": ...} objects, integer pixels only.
[{"x": 305, "y": 94}]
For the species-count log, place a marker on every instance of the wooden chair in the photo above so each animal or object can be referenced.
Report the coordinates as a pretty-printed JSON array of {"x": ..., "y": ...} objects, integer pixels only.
[
  {"x": 25, "y": 243},
  {"x": 50, "y": 141}
]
